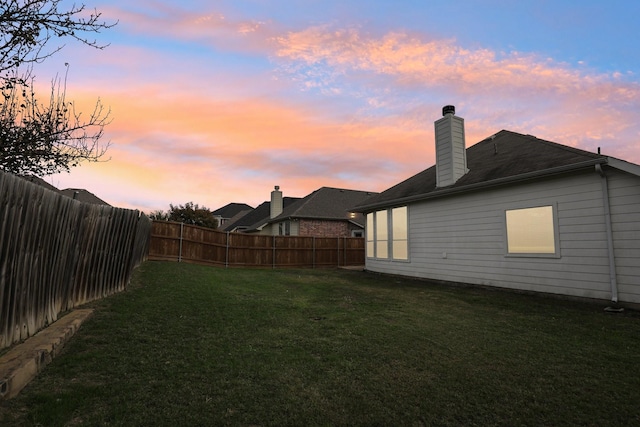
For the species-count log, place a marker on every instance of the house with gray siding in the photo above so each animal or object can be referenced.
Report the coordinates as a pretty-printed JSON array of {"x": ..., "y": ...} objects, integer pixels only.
[{"x": 512, "y": 211}]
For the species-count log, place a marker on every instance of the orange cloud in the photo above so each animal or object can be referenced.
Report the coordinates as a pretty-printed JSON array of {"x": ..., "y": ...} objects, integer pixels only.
[
  {"x": 338, "y": 107},
  {"x": 180, "y": 144},
  {"x": 526, "y": 91}
]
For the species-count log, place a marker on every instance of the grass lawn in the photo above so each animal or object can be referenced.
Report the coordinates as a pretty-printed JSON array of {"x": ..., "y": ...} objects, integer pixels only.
[{"x": 198, "y": 346}]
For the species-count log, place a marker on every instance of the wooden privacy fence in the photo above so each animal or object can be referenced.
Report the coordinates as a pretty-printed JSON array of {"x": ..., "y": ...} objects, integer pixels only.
[
  {"x": 57, "y": 253},
  {"x": 174, "y": 241}
]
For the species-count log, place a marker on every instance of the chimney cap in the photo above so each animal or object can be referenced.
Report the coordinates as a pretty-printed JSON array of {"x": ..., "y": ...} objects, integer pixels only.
[
  {"x": 448, "y": 109},
  {"x": 277, "y": 187}
]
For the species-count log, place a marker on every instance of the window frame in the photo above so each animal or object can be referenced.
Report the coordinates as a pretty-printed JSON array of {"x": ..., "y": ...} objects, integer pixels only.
[
  {"x": 382, "y": 244},
  {"x": 372, "y": 242},
  {"x": 369, "y": 235},
  {"x": 556, "y": 232},
  {"x": 284, "y": 228},
  {"x": 393, "y": 240}
]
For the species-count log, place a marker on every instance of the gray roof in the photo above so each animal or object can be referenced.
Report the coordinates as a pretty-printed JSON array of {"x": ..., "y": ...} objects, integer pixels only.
[
  {"x": 258, "y": 216},
  {"x": 83, "y": 196},
  {"x": 39, "y": 181},
  {"x": 327, "y": 203},
  {"x": 502, "y": 158},
  {"x": 231, "y": 210}
]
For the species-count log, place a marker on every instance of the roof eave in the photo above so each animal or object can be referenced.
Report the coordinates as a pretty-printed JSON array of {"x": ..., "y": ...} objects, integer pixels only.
[
  {"x": 631, "y": 168},
  {"x": 481, "y": 185},
  {"x": 309, "y": 217}
]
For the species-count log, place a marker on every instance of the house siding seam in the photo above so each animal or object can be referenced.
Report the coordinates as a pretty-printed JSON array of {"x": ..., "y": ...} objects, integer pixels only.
[{"x": 463, "y": 238}]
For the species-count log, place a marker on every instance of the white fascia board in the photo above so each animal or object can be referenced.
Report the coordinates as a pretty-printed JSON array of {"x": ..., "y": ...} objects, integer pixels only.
[{"x": 624, "y": 166}]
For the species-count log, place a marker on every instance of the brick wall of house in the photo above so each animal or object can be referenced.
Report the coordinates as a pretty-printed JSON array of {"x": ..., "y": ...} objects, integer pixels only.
[{"x": 320, "y": 228}]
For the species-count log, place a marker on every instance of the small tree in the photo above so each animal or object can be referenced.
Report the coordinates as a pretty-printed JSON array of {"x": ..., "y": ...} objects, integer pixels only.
[
  {"x": 191, "y": 213},
  {"x": 35, "y": 137},
  {"x": 159, "y": 215},
  {"x": 45, "y": 138}
]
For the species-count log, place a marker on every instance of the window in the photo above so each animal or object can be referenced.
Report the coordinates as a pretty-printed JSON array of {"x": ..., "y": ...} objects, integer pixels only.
[
  {"x": 531, "y": 231},
  {"x": 382, "y": 235},
  {"x": 387, "y": 234},
  {"x": 399, "y": 234},
  {"x": 370, "y": 236},
  {"x": 284, "y": 228}
]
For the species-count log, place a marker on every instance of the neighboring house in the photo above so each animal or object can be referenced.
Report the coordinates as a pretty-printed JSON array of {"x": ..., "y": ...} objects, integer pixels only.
[
  {"x": 255, "y": 216},
  {"x": 39, "y": 181},
  {"x": 324, "y": 213},
  {"x": 83, "y": 196},
  {"x": 74, "y": 193},
  {"x": 512, "y": 211},
  {"x": 230, "y": 213}
]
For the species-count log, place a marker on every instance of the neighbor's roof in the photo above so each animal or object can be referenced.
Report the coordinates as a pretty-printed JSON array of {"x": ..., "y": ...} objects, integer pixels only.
[
  {"x": 83, "y": 196},
  {"x": 39, "y": 181},
  {"x": 326, "y": 203},
  {"x": 258, "y": 216},
  {"x": 505, "y": 157},
  {"x": 231, "y": 210}
]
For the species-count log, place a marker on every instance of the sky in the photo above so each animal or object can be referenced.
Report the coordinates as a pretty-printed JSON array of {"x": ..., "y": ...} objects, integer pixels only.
[{"x": 216, "y": 102}]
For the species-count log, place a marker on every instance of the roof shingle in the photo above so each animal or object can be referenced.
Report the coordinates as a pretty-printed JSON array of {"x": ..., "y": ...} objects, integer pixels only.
[
  {"x": 503, "y": 156},
  {"x": 326, "y": 203}
]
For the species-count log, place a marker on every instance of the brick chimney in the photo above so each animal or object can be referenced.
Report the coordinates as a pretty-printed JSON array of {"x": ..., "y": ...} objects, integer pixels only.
[
  {"x": 451, "y": 154},
  {"x": 276, "y": 202}
]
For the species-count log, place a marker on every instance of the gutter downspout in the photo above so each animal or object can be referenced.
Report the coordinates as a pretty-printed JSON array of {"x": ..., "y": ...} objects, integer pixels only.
[{"x": 607, "y": 220}]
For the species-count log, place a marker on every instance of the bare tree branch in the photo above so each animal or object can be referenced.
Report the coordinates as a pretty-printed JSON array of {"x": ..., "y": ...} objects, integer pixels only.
[
  {"x": 27, "y": 26},
  {"x": 45, "y": 138}
]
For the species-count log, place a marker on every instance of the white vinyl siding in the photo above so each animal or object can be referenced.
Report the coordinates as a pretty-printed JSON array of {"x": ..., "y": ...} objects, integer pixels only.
[
  {"x": 463, "y": 238},
  {"x": 624, "y": 203}
]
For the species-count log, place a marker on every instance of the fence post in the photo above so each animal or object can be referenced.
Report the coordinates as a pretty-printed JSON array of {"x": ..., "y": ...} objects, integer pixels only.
[
  {"x": 338, "y": 251},
  {"x": 344, "y": 249},
  {"x": 226, "y": 257},
  {"x": 273, "y": 244},
  {"x": 180, "y": 247}
]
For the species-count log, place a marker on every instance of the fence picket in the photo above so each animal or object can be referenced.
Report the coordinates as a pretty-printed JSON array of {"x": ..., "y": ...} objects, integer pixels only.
[
  {"x": 57, "y": 253},
  {"x": 211, "y": 247}
]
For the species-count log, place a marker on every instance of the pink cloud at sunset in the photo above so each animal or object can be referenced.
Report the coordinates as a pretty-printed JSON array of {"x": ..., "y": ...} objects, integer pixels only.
[
  {"x": 209, "y": 140},
  {"x": 208, "y": 27},
  {"x": 595, "y": 104},
  {"x": 218, "y": 106}
]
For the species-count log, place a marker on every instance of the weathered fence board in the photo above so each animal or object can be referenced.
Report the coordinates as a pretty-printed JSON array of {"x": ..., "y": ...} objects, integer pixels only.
[
  {"x": 57, "y": 253},
  {"x": 172, "y": 241}
]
